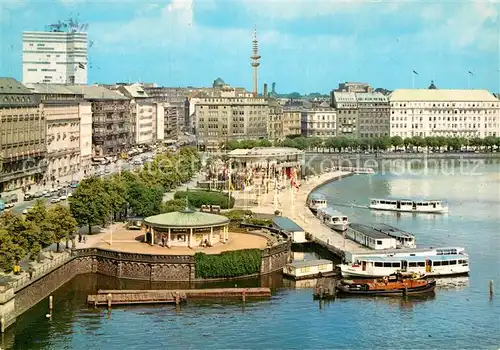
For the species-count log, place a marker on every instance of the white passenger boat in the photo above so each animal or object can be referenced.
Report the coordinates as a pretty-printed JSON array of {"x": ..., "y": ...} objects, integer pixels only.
[
  {"x": 316, "y": 201},
  {"x": 403, "y": 239},
  {"x": 437, "y": 265},
  {"x": 401, "y": 253},
  {"x": 369, "y": 237},
  {"x": 333, "y": 219},
  {"x": 409, "y": 205}
]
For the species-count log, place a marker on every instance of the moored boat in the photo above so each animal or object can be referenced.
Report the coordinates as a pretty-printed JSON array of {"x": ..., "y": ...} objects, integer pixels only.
[
  {"x": 316, "y": 201},
  {"x": 409, "y": 205},
  {"x": 377, "y": 266},
  {"x": 393, "y": 285},
  {"x": 333, "y": 219}
]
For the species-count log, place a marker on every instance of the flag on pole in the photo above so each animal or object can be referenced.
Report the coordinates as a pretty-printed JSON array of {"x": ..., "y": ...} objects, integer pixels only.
[
  {"x": 414, "y": 72},
  {"x": 81, "y": 66},
  {"x": 471, "y": 73}
]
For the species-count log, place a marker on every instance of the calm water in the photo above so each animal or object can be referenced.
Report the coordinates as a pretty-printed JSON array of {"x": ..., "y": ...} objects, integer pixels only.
[{"x": 460, "y": 315}]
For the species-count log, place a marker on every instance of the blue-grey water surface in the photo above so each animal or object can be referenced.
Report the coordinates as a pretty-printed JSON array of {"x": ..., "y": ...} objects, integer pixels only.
[{"x": 461, "y": 315}]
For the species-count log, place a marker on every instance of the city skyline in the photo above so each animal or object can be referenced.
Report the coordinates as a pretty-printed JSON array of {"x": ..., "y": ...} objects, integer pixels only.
[{"x": 305, "y": 46}]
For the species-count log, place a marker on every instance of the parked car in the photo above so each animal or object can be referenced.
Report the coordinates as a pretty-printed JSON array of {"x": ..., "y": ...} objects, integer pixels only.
[{"x": 55, "y": 200}]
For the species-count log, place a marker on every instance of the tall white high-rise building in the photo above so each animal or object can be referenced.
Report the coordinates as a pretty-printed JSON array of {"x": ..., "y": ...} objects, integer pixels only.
[{"x": 55, "y": 57}]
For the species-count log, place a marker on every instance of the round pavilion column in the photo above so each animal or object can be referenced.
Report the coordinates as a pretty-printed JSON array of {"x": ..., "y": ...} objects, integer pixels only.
[
  {"x": 169, "y": 244},
  {"x": 190, "y": 244},
  {"x": 210, "y": 239},
  {"x": 152, "y": 236}
]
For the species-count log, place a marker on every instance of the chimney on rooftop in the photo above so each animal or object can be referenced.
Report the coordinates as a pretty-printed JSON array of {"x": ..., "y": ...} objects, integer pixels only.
[{"x": 265, "y": 90}]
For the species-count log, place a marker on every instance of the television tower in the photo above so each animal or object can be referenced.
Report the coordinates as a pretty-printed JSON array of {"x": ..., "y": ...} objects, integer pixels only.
[{"x": 255, "y": 61}]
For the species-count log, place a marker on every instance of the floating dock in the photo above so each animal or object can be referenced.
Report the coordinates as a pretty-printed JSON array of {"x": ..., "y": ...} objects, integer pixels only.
[{"x": 133, "y": 297}]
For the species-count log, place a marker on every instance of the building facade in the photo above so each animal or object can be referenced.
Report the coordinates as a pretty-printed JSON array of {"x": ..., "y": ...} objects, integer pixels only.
[
  {"x": 373, "y": 115},
  {"x": 275, "y": 121},
  {"x": 318, "y": 122},
  {"x": 62, "y": 115},
  {"x": 177, "y": 99},
  {"x": 440, "y": 112},
  {"x": 111, "y": 120},
  {"x": 346, "y": 105},
  {"x": 221, "y": 119},
  {"x": 291, "y": 121},
  {"x": 354, "y": 87},
  {"x": 142, "y": 113},
  {"x": 55, "y": 57},
  {"x": 85, "y": 113},
  {"x": 22, "y": 137}
]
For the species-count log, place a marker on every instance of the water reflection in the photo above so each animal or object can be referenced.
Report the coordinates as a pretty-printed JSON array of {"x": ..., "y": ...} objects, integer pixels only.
[{"x": 403, "y": 303}]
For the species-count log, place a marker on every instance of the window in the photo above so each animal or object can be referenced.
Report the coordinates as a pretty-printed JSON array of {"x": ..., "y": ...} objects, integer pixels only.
[
  {"x": 379, "y": 242},
  {"x": 396, "y": 264},
  {"x": 387, "y": 264},
  {"x": 412, "y": 264},
  {"x": 421, "y": 264},
  {"x": 378, "y": 264},
  {"x": 436, "y": 263}
]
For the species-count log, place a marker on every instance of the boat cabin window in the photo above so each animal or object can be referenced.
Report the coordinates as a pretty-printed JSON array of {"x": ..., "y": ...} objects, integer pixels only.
[
  {"x": 387, "y": 264},
  {"x": 374, "y": 202},
  {"x": 379, "y": 242},
  {"x": 446, "y": 262},
  {"x": 421, "y": 264},
  {"x": 378, "y": 264},
  {"x": 412, "y": 264},
  {"x": 453, "y": 262},
  {"x": 436, "y": 263},
  {"x": 396, "y": 264}
]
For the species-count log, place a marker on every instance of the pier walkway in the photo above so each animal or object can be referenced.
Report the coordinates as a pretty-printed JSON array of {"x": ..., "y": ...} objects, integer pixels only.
[{"x": 292, "y": 203}]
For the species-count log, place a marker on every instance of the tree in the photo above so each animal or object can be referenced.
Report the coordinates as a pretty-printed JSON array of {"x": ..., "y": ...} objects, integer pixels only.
[
  {"x": 61, "y": 224},
  {"x": 264, "y": 143},
  {"x": 397, "y": 141},
  {"x": 418, "y": 141},
  {"x": 90, "y": 204},
  {"x": 407, "y": 142},
  {"x": 11, "y": 253},
  {"x": 116, "y": 190},
  {"x": 144, "y": 201}
]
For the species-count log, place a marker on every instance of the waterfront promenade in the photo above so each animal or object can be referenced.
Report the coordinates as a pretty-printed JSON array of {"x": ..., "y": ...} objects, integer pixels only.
[{"x": 292, "y": 203}]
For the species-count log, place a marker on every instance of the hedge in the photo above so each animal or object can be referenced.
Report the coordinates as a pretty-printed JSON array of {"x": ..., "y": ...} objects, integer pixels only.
[
  {"x": 199, "y": 198},
  {"x": 228, "y": 264}
]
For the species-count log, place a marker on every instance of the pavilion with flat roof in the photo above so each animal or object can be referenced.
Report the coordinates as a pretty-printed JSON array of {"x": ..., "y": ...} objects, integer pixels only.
[{"x": 187, "y": 228}]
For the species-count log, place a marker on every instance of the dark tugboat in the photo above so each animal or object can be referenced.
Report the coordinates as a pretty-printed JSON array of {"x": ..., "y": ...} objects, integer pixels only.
[{"x": 397, "y": 284}]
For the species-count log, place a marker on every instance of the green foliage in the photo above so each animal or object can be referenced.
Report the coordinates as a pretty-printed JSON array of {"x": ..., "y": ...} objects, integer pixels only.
[
  {"x": 342, "y": 143},
  {"x": 228, "y": 264},
  {"x": 91, "y": 204},
  {"x": 199, "y": 198},
  {"x": 173, "y": 205},
  {"x": 143, "y": 200},
  {"x": 259, "y": 222},
  {"x": 60, "y": 224},
  {"x": 238, "y": 214}
]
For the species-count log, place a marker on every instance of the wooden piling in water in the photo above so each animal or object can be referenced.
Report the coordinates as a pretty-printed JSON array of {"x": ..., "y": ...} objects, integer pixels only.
[
  {"x": 109, "y": 297},
  {"x": 2, "y": 325},
  {"x": 243, "y": 295},
  {"x": 491, "y": 288},
  {"x": 51, "y": 303}
]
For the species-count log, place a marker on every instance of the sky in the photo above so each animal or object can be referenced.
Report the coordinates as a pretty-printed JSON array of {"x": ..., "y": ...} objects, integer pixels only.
[{"x": 306, "y": 46}]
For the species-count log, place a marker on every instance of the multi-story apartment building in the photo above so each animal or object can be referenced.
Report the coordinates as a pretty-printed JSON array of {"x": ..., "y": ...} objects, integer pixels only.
[
  {"x": 275, "y": 121},
  {"x": 55, "y": 57},
  {"x": 85, "y": 113},
  {"x": 219, "y": 119},
  {"x": 440, "y": 112},
  {"x": 291, "y": 121},
  {"x": 373, "y": 114},
  {"x": 22, "y": 136},
  {"x": 319, "y": 121},
  {"x": 346, "y": 105},
  {"x": 62, "y": 114},
  {"x": 110, "y": 120},
  {"x": 142, "y": 113},
  {"x": 175, "y": 99}
]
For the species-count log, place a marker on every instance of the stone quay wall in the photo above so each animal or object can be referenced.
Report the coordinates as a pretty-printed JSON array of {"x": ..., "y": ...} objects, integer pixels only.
[{"x": 15, "y": 300}]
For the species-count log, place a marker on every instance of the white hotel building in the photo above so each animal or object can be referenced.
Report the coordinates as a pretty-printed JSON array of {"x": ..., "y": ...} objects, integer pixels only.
[
  {"x": 440, "y": 112},
  {"x": 55, "y": 58}
]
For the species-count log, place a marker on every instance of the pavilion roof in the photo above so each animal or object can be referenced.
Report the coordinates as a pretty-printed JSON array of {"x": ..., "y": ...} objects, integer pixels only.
[{"x": 186, "y": 219}]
